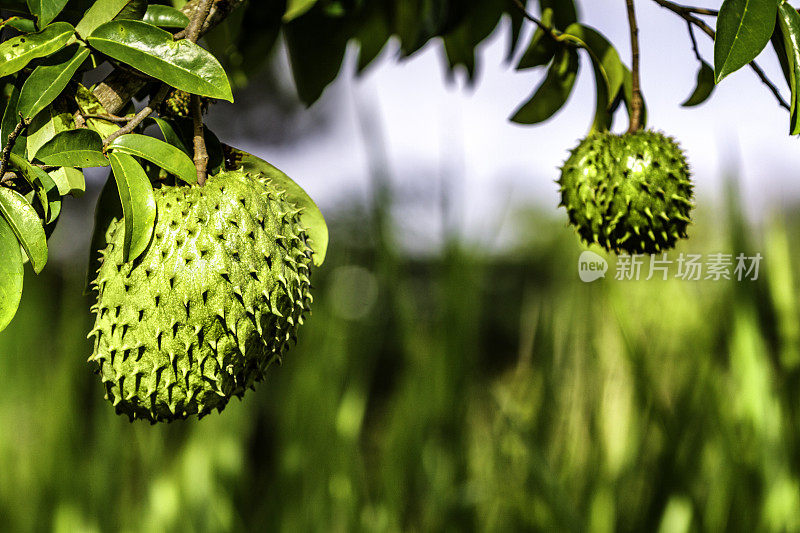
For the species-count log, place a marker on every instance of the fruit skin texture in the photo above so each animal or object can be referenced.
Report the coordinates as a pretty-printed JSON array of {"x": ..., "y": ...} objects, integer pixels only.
[
  {"x": 629, "y": 192},
  {"x": 214, "y": 300}
]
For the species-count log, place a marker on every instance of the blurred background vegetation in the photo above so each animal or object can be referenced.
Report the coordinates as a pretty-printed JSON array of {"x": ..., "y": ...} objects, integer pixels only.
[{"x": 464, "y": 388}]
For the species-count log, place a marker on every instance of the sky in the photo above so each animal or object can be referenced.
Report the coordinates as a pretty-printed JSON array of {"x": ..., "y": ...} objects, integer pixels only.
[{"x": 434, "y": 128}]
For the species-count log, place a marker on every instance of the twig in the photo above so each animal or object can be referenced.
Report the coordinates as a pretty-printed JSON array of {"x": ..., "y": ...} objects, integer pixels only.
[
  {"x": 154, "y": 102},
  {"x": 8, "y": 177},
  {"x": 694, "y": 41},
  {"x": 108, "y": 118},
  {"x": 12, "y": 138},
  {"x": 687, "y": 14},
  {"x": 549, "y": 31},
  {"x": 637, "y": 103},
  {"x": 200, "y": 152},
  {"x": 197, "y": 21}
]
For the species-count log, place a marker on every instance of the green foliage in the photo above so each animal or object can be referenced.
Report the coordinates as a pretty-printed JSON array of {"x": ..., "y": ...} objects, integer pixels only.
[
  {"x": 789, "y": 29},
  {"x": 138, "y": 205},
  {"x": 11, "y": 273},
  {"x": 744, "y": 28},
  {"x": 81, "y": 148},
  {"x": 165, "y": 17},
  {"x": 27, "y": 226},
  {"x": 161, "y": 154},
  {"x": 705, "y": 86},
  {"x": 48, "y": 80},
  {"x": 181, "y": 64},
  {"x": 17, "y": 52}
]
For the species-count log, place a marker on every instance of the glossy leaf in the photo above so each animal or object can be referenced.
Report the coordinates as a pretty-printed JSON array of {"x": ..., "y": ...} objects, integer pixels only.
[
  {"x": 179, "y": 132},
  {"x": 46, "y": 10},
  {"x": 564, "y": 12},
  {"x": 310, "y": 216},
  {"x": 542, "y": 47},
  {"x": 81, "y": 148},
  {"x": 47, "y": 123},
  {"x": 296, "y": 8},
  {"x": 138, "y": 204},
  {"x": 102, "y": 11},
  {"x": 181, "y": 64},
  {"x": 166, "y": 156},
  {"x": 133, "y": 10},
  {"x": 554, "y": 91},
  {"x": 10, "y": 116},
  {"x": 27, "y": 226},
  {"x": 108, "y": 208},
  {"x": 743, "y": 30},
  {"x": 38, "y": 180},
  {"x": 90, "y": 105},
  {"x": 18, "y": 51},
  {"x": 47, "y": 81},
  {"x": 69, "y": 181},
  {"x": 165, "y": 17},
  {"x": 603, "y": 55},
  {"x": 20, "y": 24},
  {"x": 704, "y": 88},
  {"x": 789, "y": 25},
  {"x": 11, "y": 274}
]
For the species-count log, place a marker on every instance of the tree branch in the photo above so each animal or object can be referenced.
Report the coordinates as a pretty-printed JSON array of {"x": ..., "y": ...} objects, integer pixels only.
[
  {"x": 200, "y": 152},
  {"x": 687, "y": 14},
  {"x": 154, "y": 102},
  {"x": 637, "y": 103},
  {"x": 12, "y": 139},
  {"x": 549, "y": 31}
]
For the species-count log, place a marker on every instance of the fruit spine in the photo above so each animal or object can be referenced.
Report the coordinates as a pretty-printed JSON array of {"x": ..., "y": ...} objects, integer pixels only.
[{"x": 216, "y": 298}]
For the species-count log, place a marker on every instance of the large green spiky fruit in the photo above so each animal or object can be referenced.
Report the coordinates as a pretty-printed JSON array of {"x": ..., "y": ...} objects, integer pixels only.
[
  {"x": 628, "y": 192},
  {"x": 216, "y": 298}
]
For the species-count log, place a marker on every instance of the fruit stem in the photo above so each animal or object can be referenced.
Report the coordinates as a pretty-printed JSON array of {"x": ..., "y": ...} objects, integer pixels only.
[
  {"x": 637, "y": 103},
  {"x": 200, "y": 152}
]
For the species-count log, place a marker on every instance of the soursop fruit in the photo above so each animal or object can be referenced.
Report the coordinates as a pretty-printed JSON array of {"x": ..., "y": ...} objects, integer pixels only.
[
  {"x": 629, "y": 192},
  {"x": 215, "y": 299}
]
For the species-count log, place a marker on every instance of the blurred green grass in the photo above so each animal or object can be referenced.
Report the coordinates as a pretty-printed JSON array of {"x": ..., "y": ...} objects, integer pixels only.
[{"x": 461, "y": 390}]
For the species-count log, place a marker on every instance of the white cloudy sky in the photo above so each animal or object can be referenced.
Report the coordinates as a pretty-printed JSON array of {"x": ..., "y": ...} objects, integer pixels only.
[{"x": 430, "y": 124}]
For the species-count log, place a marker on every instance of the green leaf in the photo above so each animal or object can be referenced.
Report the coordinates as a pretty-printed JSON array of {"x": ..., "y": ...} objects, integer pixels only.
[
  {"x": 310, "y": 216},
  {"x": 90, "y": 105},
  {"x": 789, "y": 25},
  {"x": 166, "y": 156},
  {"x": 295, "y": 8},
  {"x": 48, "y": 80},
  {"x": 165, "y": 17},
  {"x": 69, "y": 181},
  {"x": 18, "y": 51},
  {"x": 542, "y": 47},
  {"x": 47, "y": 123},
  {"x": 179, "y": 132},
  {"x": 181, "y": 64},
  {"x": 108, "y": 208},
  {"x": 10, "y": 116},
  {"x": 46, "y": 10},
  {"x": 11, "y": 274},
  {"x": 704, "y": 88},
  {"x": 20, "y": 24},
  {"x": 74, "y": 148},
  {"x": 27, "y": 226},
  {"x": 603, "y": 55},
  {"x": 133, "y": 10},
  {"x": 39, "y": 180},
  {"x": 564, "y": 12},
  {"x": 743, "y": 30},
  {"x": 554, "y": 91},
  {"x": 138, "y": 204},
  {"x": 102, "y": 11}
]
